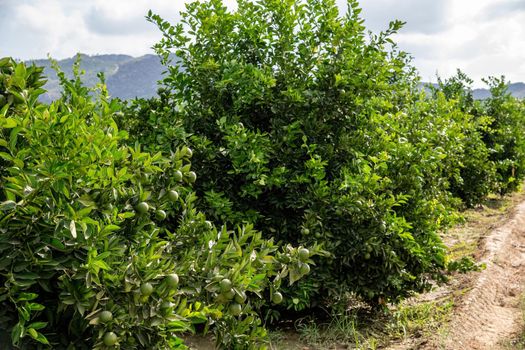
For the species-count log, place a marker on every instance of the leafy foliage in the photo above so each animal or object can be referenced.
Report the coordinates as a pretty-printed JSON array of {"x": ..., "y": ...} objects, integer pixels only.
[
  {"x": 315, "y": 132},
  {"x": 494, "y": 147},
  {"x": 505, "y": 138},
  {"x": 101, "y": 244},
  {"x": 282, "y": 119},
  {"x": 305, "y": 128}
]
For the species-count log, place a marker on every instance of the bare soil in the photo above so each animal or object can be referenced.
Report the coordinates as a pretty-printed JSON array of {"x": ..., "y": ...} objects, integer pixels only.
[{"x": 489, "y": 313}]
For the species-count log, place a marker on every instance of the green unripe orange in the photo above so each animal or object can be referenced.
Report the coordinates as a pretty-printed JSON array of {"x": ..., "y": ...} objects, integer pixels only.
[
  {"x": 146, "y": 289},
  {"x": 105, "y": 316},
  {"x": 187, "y": 152},
  {"x": 166, "y": 305},
  {"x": 142, "y": 207},
  {"x": 304, "y": 254},
  {"x": 172, "y": 280},
  {"x": 304, "y": 269},
  {"x": 177, "y": 176},
  {"x": 235, "y": 309},
  {"x": 220, "y": 299},
  {"x": 110, "y": 339},
  {"x": 225, "y": 285},
  {"x": 192, "y": 177},
  {"x": 160, "y": 214},
  {"x": 229, "y": 294},
  {"x": 277, "y": 298},
  {"x": 173, "y": 195},
  {"x": 240, "y": 298}
]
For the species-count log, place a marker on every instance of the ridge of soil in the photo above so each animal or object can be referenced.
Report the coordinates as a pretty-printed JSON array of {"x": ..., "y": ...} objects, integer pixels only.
[{"x": 489, "y": 313}]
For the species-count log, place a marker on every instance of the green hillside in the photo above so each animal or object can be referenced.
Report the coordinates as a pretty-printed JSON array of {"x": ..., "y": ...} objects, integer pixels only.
[{"x": 126, "y": 76}]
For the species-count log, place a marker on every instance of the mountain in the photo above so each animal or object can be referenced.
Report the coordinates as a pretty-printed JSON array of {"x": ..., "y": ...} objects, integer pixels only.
[
  {"x": 136, "y": 78},
  {"x": 516, "y": 89},
  {"x": 126, "y": 76}
]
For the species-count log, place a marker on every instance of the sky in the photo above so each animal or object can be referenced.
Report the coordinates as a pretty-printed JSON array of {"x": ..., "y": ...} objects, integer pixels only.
[{"x": 480, "y": 37}]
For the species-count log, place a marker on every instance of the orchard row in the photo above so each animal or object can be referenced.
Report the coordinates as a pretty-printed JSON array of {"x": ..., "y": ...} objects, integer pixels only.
[{"x": 289, "y": 161}]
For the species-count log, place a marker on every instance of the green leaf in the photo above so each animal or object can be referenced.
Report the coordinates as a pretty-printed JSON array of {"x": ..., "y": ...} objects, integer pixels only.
[
  {"x": 38, "y": 325},
  {"x": 73, "y": 228},
  {"x": 6, "y": 156},
  {"x": 42, "y": 339},
  {"x": 9, "y": 123},
  {"x": 56, "y": 243},
  {"x": 7, "y": 205},
  {"x": 35, "y": 306},
  {"x": 37, "y": 336},
  {"x": 110, "y": 228},
  {"x": 33, "y": 333},
  {"x": 101, "y": 264},
  {"x": 27, "y": 275},
  {"x": 20, "y": 70},
  {"x": 5, "y": 62},
  {"x": 16, "y": 333},
  {"x": 26, "y": 296}
]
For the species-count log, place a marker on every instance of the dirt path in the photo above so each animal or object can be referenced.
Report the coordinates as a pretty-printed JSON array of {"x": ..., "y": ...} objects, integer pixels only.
[{"x": 489, "y": 313}]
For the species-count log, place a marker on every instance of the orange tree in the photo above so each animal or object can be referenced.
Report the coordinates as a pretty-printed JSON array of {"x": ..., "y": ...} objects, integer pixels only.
[
  {"x": 314, "y": 132},
  {"x": 504, "y": 135},
  {"x": 101, "y": 245},
  {"x": 494, "y": 156},
  {"x": 477, "y": 173}
]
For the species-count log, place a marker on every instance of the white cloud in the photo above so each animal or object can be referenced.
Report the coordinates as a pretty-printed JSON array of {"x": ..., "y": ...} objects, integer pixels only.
[
  {"x": 477, "y": 45},
  {"x": 421, "y": 16},
  {"x": 481, "y": 37},
  {"x": 32, "y": 29},
  {"x": 36, "y": 28}
]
